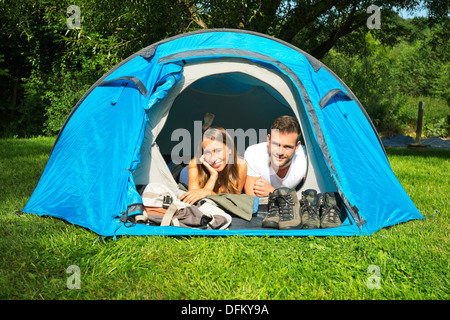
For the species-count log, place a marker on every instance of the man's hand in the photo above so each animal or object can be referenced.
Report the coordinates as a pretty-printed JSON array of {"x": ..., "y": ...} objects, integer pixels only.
[{"x": 262, "y": 188}]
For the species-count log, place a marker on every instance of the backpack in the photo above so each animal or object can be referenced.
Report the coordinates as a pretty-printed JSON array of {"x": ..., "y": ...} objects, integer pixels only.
[{"x": 163, "y": 207}]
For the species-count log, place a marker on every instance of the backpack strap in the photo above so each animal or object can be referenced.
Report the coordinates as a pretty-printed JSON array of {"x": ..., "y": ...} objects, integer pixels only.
[
  {"x": 167, "y": 202},
  {"x": 169, "y": 216}
]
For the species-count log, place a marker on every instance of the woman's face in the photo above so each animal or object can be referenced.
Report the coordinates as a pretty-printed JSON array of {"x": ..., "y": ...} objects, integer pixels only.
[{"x": 215, "y": 153}]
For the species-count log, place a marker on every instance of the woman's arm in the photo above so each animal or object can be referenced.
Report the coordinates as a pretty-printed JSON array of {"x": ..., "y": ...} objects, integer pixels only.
[
  {"x": 196, "y": 192},
  {"x": 193, "y": 175},
  {"x": 242, "y": 174}
]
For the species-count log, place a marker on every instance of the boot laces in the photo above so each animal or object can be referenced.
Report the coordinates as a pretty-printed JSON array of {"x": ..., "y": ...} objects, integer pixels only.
[
  {"x": 273, "y": 206},
  {"x": 331, "y": 214},
  {"x": 310, "y": 210},
  {"x": 286, "y": 205}
]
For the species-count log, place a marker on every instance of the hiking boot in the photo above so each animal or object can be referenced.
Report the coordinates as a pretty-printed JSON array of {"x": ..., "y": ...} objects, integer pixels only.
[
  {"x": 310, "y": 205},
  {"x": 273, "y": 213},
  {"x": 331, "y": 213},
  {"x": 289, "y": 209}
]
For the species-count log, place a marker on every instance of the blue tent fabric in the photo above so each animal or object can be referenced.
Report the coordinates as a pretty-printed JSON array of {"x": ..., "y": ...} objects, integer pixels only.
[{"x": 88, "y": 179}]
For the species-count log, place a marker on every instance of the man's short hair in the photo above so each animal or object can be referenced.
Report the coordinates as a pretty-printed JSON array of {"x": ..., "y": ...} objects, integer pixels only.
[{"x": 287, "y": 124}]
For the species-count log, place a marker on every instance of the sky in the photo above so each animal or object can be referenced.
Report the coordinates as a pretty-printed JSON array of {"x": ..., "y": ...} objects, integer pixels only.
[{"x": 422, "y": 12}]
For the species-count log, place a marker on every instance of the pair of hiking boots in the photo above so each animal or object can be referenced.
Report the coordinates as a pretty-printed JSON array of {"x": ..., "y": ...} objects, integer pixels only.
[
  {"x": 313, "y": 211},
  {"x": 321, "y": 210}
]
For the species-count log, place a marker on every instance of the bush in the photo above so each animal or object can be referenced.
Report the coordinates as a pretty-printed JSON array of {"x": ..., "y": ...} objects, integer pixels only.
[
  {"x": 28, "y": 114},
  {"x": 390, "y": 81},
  {"x": 435, "y": 116}
]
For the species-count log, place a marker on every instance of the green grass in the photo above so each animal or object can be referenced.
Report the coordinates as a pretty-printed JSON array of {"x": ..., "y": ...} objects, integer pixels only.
[{"x": 35, "y": 252}]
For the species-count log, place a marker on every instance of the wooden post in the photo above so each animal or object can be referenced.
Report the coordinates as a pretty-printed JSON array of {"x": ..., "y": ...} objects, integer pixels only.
[
  {"x": 417, "y": 145},
  {"x": 419, "y": 122}
]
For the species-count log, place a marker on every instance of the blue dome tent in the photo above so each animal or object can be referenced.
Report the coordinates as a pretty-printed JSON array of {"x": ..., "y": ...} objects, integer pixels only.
[{"x": 120, "y": 133}]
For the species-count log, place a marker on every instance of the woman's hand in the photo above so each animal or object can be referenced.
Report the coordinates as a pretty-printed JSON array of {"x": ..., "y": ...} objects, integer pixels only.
[
  {"x": 193, "y": 196},
  {"x": 208, "y": 167}
]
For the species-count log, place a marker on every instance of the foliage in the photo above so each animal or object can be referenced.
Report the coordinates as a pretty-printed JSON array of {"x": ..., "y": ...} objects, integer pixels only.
[
  {"x": 390, "y": 80},
  {"x": 435, "y": 117},
  {"x": 3, "y": 72},
  {"x": 59, "y": 64}
]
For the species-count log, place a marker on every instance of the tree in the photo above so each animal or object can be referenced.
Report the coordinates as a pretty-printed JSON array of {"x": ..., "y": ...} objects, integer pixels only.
[{"x": 314, "y": 26}]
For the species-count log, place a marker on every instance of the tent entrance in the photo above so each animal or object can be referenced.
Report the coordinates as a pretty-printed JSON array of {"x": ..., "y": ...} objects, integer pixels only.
[
  {"x": 241, "y": 104},
  {"x": 244, "y": 98}
]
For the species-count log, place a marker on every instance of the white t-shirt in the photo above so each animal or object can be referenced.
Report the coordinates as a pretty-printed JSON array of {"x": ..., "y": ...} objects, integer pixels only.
[{"x": 258, "y": 165}]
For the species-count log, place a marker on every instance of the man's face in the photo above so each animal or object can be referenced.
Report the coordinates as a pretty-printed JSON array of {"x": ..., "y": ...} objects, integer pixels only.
[{"x": 282, "y": 148}]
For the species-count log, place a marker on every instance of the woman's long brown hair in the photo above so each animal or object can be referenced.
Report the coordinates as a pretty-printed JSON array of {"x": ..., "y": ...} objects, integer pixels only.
[{"x": 228, "y": 177}]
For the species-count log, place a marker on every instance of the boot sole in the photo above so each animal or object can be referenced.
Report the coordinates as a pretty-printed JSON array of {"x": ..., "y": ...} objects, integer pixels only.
[
  {"x": 270, "y": 224},
  {"x": 310, "y": 227},
  {"x": 292, "y": 227},
  {"x": 331, "y": 226},
  {"x": 288, "y": 225}
]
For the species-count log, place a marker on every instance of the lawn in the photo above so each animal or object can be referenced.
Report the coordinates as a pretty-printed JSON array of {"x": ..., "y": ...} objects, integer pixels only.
[{"x": 404, "y": 262}]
